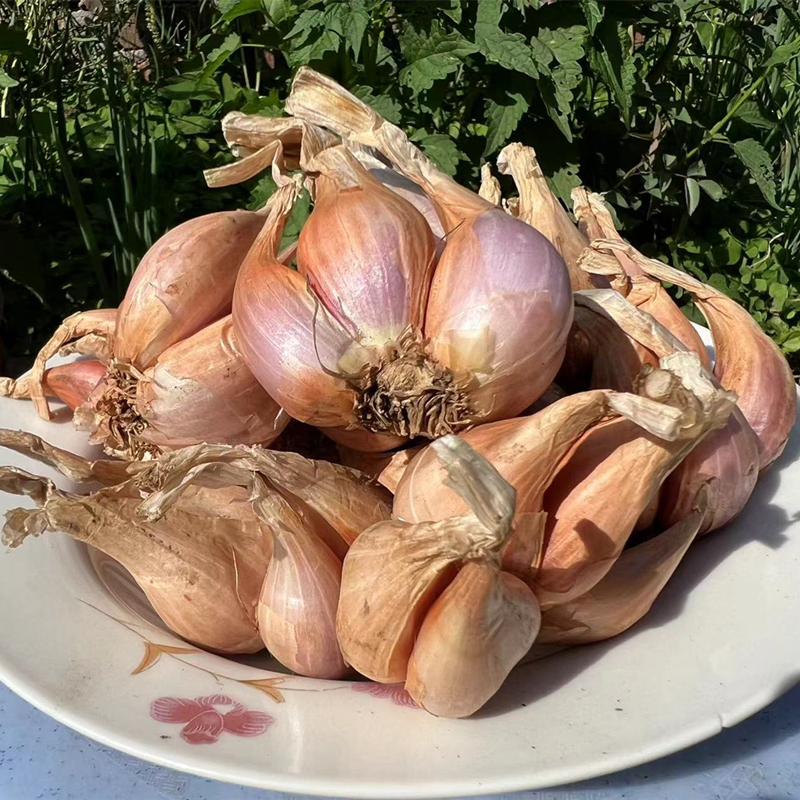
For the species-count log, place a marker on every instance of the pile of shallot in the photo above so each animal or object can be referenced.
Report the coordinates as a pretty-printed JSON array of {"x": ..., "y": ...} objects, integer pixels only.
[{"x": 502, "y": 431}]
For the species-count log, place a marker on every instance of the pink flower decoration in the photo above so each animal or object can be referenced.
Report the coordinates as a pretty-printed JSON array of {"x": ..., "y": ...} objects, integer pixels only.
[
  {"x": 394, "y": 691},
  {"x": 203, "y": 718}
]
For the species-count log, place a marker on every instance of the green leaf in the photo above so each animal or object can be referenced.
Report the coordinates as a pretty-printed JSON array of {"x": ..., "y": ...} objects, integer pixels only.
[
  {"x": 779, "y": 293},
  {"x": 565, "y": 43},
  {"x": 319, "y": 42},
  {"x": 6, "y": 81},
  {"x": 783, "y": 53},
  {"x": 385, "y": 105},
  {"x": 751, "y": 113},
  {"x": 792, "y": 343},
  {"x": 431, "y": 55},
  {"x": 355, "y": 26},
  {"x": 218, "y": 56},
  {"x": 502, "y": 118},
  {"x": 279, "y": 10},
  {"x": 564, "y": 180},
  {"x": 616, "y": 67},
  {"x": 692, "y": 195},
  {"x": 509, "y": 50},
  {"x": 442, "y": 149},
  {"x": 233, "y": 9},
  {"x": 593, "y": 13},
  {"x": 554, "y": 100},
  {"x": 308, "y": 21},
  {"x": 712, "y": 189},
  {"x": 454, "y": 11},
  {"x": 758, "y": 163}
]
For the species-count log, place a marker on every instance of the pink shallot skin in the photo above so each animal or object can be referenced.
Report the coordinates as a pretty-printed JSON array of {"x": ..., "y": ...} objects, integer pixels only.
[
  {"x": 200, "y": 390},
  {"x": 500, "y": 309},
  {"x": 368, "y": 255},
  {"x": 184, "y": 282},
  {"x": 73, "y": 383}
]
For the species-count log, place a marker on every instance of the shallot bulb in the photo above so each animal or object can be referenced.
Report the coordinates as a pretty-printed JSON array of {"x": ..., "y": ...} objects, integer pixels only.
[
  {"x": 498, "y": 310},
  {"x": 430, "y": 604},
  {"x": 71, "y": 383},
  {"x": 184, "y": 282},
  {"x": 727, "y": 459},
  {"x": 197, "y": 389},
  {"x": 540, "y": 208},
  {"x": 201, "y": 543},
  {"x": 746, "y": 360}
]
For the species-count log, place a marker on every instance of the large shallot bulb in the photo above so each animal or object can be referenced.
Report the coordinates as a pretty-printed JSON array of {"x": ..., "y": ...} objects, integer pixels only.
[
  {"x": 499, "y": 306},
  {"x": 430, "y": 604},
  {"x": 196, "y": 390}
]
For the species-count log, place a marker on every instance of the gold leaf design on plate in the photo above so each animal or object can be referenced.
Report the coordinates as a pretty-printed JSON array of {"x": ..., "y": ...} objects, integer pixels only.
[
  {"x": 153, "y": 651},
  {"x": 268, "y": 687}
]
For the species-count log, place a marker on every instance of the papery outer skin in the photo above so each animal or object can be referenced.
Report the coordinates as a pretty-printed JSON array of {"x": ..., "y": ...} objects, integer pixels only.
[
  {"x": 391, "y": 576},
  {"x": 73, "y": 383},
  {"x": 652, "y": 297},
  {"x": 183, "y": 283},
  {"x": 625, "y": 594},
  {"x": 386, "y": 468},
  {"x": 525, "y": 450},
  {"x": 186, "y": 563},
  {"x": 594, "y": 502},
  {"x": 286, "y": 340},
  {"x": 297, "y": 607},
  {"x": 200, "y": 390},
  {"x": 500, "y": 309},
  {"x": 730, "y": 456},
  {"x": 474, "y": 634},
  {"x": 368, "y": 255}
]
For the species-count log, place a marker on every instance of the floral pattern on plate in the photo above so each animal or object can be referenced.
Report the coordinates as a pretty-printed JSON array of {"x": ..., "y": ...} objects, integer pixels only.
[{"x": 203, "y": 719}]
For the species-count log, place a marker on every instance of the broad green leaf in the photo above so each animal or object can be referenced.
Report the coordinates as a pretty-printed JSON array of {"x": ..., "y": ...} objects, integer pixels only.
[
  {"x": 442, "y": 149},
  {"x": 692, "y": 195},
  {"x": 792, "y": 343},
  {"x": 593, "y": 13},
  {"x": 309, "y": 20},
  {"x": 355, "y": 26},
  {"x": 758, "y": 163},
  {"x": 502, "y": 118},
  {"x": 233, "y": 9},
  {"x": 783, "y": 53},
  {"x": 218, "y": 56},
  {"x": 712, "y": 189},
  {"x": 565, "y": 43},
  {"x": 432, "y": 55},
  {"x": 615, "y": 65},
  {"x": 779, "y": 293},
  {"x": 751, "y": 113},
  {"x": 564, "y": 180},
  {"x": 454, "y": 10},
  {"x": 509, "y": 50},
  {"x": 696, "y": 169},
  {"x": 568, "y": 75},
  {"x": 6, "y": 81},
  {"x": 386, "y": 106},
  {"x": 553, "y": 103},
  {"x": 279, "y": 10},
  {"x": 317, "y": 44}
]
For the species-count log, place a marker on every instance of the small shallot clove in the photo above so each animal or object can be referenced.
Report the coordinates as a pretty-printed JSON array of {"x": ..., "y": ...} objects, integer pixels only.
[
  {"x": 71, "y": 383},
  {"x": 628, "y": 589},
  {"x": 429, "y": 604}
]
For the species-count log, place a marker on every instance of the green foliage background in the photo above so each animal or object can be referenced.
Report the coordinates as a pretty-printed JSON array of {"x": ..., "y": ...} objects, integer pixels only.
[{"x": 686, "y": 114}]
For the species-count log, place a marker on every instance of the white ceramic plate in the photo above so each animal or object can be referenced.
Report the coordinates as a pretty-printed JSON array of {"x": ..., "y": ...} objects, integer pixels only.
[{"x": 720, "y": 644}]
